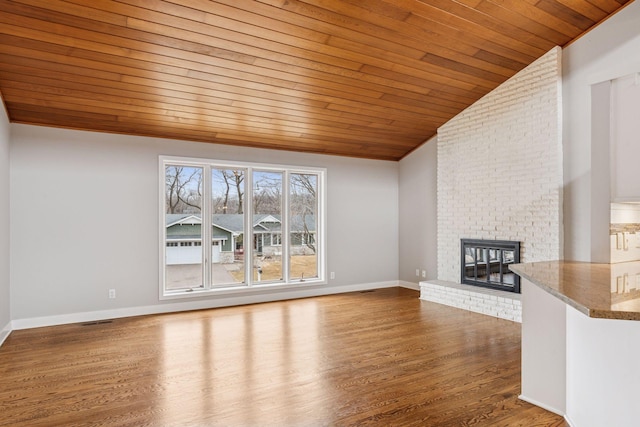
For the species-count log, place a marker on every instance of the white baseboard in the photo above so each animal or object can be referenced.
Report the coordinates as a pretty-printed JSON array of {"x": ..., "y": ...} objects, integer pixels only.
[
  {"x": 4, "y": 333},
  {"x": 169, "y": 307},
  {"x": 543, "y": 406},
  {"x": 409, "y": 285},
  {"x": 568, "y": 420}
]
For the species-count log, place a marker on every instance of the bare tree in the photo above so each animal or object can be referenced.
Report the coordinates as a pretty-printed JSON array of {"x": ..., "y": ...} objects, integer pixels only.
[
  {"x": 183, "y": 189},
  {"x": 304, "y": 203},
  {"x": 267, "y": 194},
  {"x": 306, "y": 182},
  {"x": 238, "y": 177},
  {"x": 225, "y": 183},
  {"x": 225, "y": 204}
]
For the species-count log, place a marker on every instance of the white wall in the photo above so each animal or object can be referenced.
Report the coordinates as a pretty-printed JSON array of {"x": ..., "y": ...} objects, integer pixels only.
[
  {"x": 582, "y": 367},
  {"x": 544, "y": 348},
  {"x": 605, "y": 53},
  {"x": 418, "y": 214},
  {"x": 602, "y": 371},
  {"x": 625, "y": 140},
  {"x": 84, "y": 209},
  {"x": 500, "y": 169},
  {"x": 599, "y": 174},
  {"x": 5, "y": 314}
]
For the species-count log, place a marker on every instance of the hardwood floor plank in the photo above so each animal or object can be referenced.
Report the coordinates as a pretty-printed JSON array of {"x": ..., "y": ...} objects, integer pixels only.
[{"x": 382, "y": 357}]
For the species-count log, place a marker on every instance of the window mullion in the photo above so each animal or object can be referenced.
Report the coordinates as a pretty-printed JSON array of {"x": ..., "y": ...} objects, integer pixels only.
[
  {"x": 248, "y": 228},
  {"x": 284, "y": 236},
  {"x": 206, "y": 226}
]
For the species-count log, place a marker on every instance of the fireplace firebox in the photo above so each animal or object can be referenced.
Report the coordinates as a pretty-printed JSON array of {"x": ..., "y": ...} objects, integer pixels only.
[{"x": 486, "y": 263}]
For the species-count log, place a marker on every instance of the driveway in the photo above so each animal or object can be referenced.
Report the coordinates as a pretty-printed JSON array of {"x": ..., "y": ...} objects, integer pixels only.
[{"x": 184, "y": 276}]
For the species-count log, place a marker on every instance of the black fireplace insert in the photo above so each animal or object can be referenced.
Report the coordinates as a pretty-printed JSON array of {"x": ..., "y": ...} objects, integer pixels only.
[{"x": 486, "y": 263}]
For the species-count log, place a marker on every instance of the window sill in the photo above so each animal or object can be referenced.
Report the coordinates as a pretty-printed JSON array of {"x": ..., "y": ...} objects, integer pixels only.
[{"x": 240, "y": 290}]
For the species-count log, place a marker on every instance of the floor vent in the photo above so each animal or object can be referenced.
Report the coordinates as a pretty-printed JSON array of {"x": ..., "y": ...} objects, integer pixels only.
[{"x": 97, "y": 322}]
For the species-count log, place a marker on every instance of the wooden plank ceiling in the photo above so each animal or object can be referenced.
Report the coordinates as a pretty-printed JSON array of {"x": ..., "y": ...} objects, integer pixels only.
[{"x": 363, "y": 78}]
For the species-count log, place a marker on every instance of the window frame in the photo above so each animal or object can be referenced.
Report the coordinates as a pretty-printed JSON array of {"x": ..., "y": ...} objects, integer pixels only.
[{"x": 249, "y": 284}]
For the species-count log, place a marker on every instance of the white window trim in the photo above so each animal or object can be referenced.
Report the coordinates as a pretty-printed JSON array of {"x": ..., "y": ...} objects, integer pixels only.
[{"x": 249, "y": 287}]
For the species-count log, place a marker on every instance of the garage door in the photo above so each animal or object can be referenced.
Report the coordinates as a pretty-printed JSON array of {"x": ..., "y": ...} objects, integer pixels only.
[
  {"x": 216, "y": 247},
  {"x": 191, "y": 252},
  {"x": 184, "y": 253}
]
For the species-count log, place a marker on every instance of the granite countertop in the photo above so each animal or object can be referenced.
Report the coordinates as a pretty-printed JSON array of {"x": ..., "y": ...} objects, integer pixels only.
[{"x": 608, "y": 291}]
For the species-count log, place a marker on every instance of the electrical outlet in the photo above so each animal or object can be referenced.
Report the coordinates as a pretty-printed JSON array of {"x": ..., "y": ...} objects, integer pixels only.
[
  {"x": 112, "y": 293},
  {"x": 332, "y": 275},
  {"x": 417, "y": 272},
  {"x": 424, "y": 274}
]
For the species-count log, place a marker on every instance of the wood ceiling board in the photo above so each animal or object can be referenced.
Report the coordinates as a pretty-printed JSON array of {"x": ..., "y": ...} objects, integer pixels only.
[
  {"x": 368, "y": 79},
  {"x": 177, "y": 72}
]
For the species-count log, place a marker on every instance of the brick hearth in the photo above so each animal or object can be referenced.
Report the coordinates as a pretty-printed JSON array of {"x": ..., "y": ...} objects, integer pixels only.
[{"x": 502, "y": 304}]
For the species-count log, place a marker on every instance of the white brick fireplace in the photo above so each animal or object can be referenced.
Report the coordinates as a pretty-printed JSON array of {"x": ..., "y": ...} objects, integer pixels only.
[{"x": 500, "y": 171}]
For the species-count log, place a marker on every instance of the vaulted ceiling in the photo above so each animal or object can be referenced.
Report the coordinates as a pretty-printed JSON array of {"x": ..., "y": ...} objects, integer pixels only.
[{"x": 362, "y": 78}]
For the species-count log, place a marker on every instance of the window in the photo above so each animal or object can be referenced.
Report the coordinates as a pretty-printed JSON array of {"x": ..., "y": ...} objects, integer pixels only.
[
  {"x": 303, "y": 225},
  {"x": 182, "y": 220},
  {"x": 227, "y": 226},
  {"x": 267, "y": 218},
  {"x": 265, "y": 225}
]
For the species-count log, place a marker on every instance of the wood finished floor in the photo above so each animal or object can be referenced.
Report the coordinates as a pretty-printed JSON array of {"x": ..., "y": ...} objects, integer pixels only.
[{"x": 365, "y": 358}]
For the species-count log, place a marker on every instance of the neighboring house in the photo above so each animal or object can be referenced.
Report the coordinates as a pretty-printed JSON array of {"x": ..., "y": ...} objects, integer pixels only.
[
  {"x": 184, "y": 237},
  {"x": 184, "y": 240}
]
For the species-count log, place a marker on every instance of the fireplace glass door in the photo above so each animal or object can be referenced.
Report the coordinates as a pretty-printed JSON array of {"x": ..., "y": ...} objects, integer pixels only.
[{"x": 486, "y": 263}]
